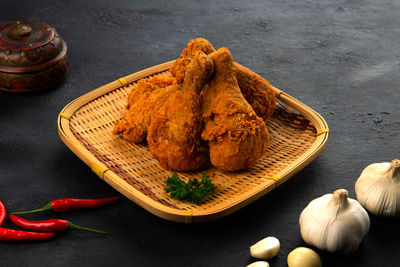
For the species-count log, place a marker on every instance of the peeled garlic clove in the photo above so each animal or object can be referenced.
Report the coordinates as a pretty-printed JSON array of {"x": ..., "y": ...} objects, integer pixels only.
[
  {"x": 258, "y": 264},
  {"x": 266, "y": 248},
  {"x": 378, "y": 188},
  {"x": 334, "y": 223},
  {"x": 303, "y": 257}
]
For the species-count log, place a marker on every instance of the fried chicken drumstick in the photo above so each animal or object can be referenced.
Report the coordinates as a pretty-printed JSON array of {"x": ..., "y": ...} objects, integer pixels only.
[
  {"x": 174, "y": 133},
  {"x": 258, "y": 92},
  {"x": 181, "y": 64},
  {"x": 237, "y": 137}
]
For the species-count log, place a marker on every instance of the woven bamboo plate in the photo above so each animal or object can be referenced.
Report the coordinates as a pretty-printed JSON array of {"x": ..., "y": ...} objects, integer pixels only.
[{"x": 298, "y": 135}]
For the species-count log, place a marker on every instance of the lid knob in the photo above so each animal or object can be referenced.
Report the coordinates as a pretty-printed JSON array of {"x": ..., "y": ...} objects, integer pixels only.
[{"x": 20, "y": 30}]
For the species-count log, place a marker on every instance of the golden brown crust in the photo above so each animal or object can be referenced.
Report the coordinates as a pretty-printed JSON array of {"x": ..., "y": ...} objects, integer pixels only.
[
  {"x": 255, "y": 89},
  {"x": 237, "y": 137},
  {"x": 258, "y": 92},
  {"x": 143, "y": 101},
  {"x": 194, "y": 46},
  {"x": 174, "y": 134},
  {"x": 144, "y": 87}
]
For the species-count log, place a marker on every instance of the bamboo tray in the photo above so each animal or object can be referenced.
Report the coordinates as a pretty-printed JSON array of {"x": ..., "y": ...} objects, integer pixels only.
[{"x": 298, "y": 135}]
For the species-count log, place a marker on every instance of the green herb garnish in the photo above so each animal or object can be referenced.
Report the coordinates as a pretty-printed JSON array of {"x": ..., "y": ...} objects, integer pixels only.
[{"x": 193, "y": 191}]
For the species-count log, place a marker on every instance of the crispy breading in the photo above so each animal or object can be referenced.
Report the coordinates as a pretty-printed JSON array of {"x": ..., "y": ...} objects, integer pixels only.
[
  {"x": 181, "y": 64},
  {"x": 255, "y": 89},
  {"x": 146, "y": 97},
  {"x": 237, "y": 137},
  {"x": 174, "y": 133}
]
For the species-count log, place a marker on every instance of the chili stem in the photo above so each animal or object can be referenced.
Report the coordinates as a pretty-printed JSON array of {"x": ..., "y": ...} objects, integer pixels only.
[
  {"x": 45, "y": 208},
  {"x": 77, "y": 227}
]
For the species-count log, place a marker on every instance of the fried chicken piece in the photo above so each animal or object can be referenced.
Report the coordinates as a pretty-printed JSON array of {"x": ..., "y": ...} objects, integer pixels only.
[
  {"x": 181, "y": 64},
  {"x": 258, "y": 92},
  {"x": 237, "y": 137},
  {"x": 174, "y": 136},
  {"x": 143, "y": 101},
  {"x": 144, "y": 87}
]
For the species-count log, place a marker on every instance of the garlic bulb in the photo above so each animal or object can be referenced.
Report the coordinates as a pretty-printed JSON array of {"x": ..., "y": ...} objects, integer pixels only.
[
  {"x": 259, "y": 264},
  {"x": 303, "y": 257},
  {"x": 334, "y": 223},
  {"x": 378, "y": 188},
  {"x": 266, "y": 248}
]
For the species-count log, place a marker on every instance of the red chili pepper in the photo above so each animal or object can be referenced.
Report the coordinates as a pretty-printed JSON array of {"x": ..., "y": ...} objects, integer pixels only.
[
  {"x": 51, "y": 225},
  {"x": 3, "y": 212},
  {"x": 68, "y": 204},
  {"x": 9, "y": 235}
]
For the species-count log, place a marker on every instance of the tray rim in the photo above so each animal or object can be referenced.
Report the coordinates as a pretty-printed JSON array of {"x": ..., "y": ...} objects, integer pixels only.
[{"x": 187, "y": 216}]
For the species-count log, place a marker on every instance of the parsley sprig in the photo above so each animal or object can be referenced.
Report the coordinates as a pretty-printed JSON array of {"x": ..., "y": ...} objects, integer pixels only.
[{"x": 193, "y": 191}]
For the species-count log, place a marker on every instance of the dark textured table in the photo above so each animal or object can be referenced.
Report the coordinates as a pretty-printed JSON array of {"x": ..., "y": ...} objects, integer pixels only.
[{"x": 339, "y": 57}]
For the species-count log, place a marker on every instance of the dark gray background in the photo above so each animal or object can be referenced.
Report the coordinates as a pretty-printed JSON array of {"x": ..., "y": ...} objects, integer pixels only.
[{"x": 339, "y": 57}]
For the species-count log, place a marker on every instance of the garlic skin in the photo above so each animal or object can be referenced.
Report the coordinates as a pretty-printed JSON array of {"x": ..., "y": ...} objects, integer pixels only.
[
  {"x": 259, "y": 264},
  {"x": 266, "y": 248},
  {"x": 334, "y": 223},
  {"x": 303, "y": 257},
  {"x": 378, "y": 188}
]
